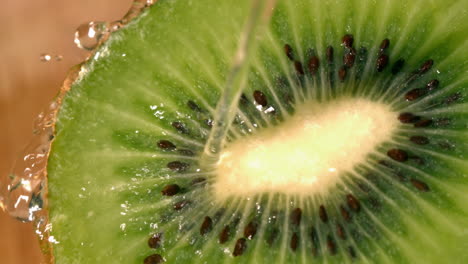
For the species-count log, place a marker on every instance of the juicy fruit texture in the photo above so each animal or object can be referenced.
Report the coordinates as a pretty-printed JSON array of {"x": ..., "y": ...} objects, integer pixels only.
[{"x": 125, "y": 178}]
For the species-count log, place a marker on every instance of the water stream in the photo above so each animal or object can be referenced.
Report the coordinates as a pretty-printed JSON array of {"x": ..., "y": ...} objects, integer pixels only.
[{"x": 226, "y": 108}]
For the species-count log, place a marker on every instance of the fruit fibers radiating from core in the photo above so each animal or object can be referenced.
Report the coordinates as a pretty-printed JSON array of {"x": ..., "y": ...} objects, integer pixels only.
[{"x": 348, "y": 143}]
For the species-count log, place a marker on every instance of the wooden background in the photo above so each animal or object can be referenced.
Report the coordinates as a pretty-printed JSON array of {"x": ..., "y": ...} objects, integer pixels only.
[{"x": 27, "y": 29}]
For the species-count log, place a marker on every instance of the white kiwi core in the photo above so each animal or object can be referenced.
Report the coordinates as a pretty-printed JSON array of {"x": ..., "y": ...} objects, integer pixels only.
[{"x": 307, "y": 153}]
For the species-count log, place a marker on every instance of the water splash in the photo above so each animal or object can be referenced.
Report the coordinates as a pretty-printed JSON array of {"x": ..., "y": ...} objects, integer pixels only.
[
  {"x": 23, "y": 194},
  {"x": 226, "y": 108}
]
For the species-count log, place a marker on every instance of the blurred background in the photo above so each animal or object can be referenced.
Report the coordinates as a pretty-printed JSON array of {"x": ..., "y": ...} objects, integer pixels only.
[{"x": 29, "y": 30}]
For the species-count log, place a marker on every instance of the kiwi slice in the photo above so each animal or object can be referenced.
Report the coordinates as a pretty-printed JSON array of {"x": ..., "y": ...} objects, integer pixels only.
[{"x": 343, "y": 139}]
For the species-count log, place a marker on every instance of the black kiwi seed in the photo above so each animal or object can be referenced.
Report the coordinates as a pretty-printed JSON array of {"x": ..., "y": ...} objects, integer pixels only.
[
  {"x": 314, "y": 64},
  {"x": 340, "y": 231},
  {"x": 384, "y": 45},
  {"x": 406, "y": 118},
  {"x": 398, "y": 155},
  {"x": 296, "y": 217},
  {"x": 426, "y": 66},
  {"x": 192, "y": 105},
  {"x": 208, "y": 122},
  {"x": 415, "y": 94},
  {"x": 224, "y": 235},
  {"x": 443, "y": 121},
  {"x": 294, "y": 241},
  {"x": 250, "y": 230},
  {"x": 243, "y": 99},
  {"x": 342, "y": 73},
  {"x": 155, "y": 240},
  {"x": 323, "y": 214},
  {"x": 397, "y": 66},
  {"x": 206, "y": 225},
  {"x": 348, "y": 40},
  {"x": 260, "y": 98},
  {"x": 349, "y": 57},
  {"x": 423, "y": 123},
  {"x": 432, "y": 85},
  {"x": 180, "y": 127},
  {"x": 382, "y": 62},
  {"x": 353, "y": 203},
  {"x": 289, "y": 52},
  {"x": 240, "y": 247},
  {"x": 153, "y": 259},
  {"x": 180, "y": 205},
  {"x": 420, "y": 140},
  {"x": 345, "y": 214},
  {"x": 298, "y": 67},
  {"x": 452, "y": 98},
  {"x": 166, "y": 145},
  {"x": 170, "y": 190},
  {"x": 178, "y": 166},
  {"x": 331, "y": 245},
  {"x": 420, "y": 185}
]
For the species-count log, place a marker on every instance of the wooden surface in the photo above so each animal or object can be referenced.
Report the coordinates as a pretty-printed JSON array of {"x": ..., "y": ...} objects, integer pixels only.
[{"x": 29, "y": 28}]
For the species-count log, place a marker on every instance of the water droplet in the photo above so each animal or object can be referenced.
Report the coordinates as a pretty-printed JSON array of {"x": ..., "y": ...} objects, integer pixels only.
[
  {"x": 45, "y": 57},
  {"x": 58, "y": 57},
  {"x": 22, "y": 196},
  {"x": 89, "y": 35}
]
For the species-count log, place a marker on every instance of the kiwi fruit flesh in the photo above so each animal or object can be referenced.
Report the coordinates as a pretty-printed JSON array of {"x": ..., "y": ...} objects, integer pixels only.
[{"x": 348, "y": 142}]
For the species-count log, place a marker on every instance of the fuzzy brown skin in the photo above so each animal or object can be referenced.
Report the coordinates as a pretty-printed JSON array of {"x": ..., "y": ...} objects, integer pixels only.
[{"x": 27, "y": 84}]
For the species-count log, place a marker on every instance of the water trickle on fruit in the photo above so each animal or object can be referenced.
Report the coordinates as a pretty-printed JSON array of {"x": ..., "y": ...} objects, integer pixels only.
[{"x": 235, "y": 81}]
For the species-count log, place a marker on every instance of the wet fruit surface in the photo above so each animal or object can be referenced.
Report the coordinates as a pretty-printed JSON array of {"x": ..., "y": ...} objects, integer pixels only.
[{"x": 154, "y": 172}]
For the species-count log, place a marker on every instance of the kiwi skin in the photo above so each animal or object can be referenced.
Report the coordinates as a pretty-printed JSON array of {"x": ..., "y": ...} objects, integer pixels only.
[{"x": 134, "y": 198}]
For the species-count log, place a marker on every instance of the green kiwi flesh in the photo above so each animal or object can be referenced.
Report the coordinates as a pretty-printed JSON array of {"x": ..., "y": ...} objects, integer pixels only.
[{"x": 125, "y": 179}]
